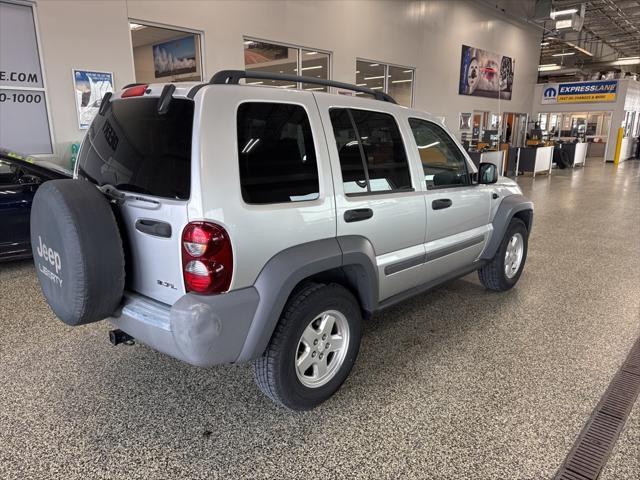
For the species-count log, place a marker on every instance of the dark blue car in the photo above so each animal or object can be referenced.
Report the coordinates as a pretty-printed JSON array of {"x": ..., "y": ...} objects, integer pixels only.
[{"x": 20, "y": 177}]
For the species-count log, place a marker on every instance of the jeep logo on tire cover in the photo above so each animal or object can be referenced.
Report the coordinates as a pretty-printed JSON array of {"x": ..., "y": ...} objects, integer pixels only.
[{"x": 51, "y": 256}]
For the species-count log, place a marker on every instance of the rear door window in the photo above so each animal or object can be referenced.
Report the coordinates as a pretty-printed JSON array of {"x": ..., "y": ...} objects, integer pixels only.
[
  {"x": 276, "y": 154},
  {"x": 134, "y": 148},
  {"x": 371, "y": 150}
]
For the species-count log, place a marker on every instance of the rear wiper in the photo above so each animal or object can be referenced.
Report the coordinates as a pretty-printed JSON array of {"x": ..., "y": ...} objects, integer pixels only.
[{"x": 113, "y": 193}]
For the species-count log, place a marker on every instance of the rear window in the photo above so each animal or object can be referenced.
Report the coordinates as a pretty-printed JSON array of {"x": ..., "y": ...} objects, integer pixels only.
[{"x": 134, "y": 148}]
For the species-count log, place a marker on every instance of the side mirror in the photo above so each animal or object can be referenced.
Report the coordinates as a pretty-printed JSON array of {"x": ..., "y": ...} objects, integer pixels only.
[{"x": 487, "y": 173}]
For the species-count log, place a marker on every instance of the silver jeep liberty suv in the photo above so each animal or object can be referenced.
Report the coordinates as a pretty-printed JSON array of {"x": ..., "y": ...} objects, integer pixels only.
[{"x": 225, "y": 223}]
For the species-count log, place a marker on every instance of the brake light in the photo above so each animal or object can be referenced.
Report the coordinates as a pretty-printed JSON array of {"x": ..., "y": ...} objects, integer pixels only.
[
  {"x": 136, "y": 91},
  {"x": 207, "y": 258}
]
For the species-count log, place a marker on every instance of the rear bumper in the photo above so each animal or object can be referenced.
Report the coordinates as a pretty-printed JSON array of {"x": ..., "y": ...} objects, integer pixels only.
[{"x": 198, "y": 329}]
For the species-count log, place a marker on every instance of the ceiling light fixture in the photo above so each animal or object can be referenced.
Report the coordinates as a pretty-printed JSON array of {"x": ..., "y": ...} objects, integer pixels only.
[
  {"x": 544, "y": 43},
  {"x": 560, "y": 13},
  {"x": 315, "y": 67},
  {"x": 374, "y": 78},
  {"x": 135, "y": 26},
  {"x": 548, "y": 68},
  {"x": 374, "y": 65},
  {"x": 310, "y": 53},
  {"x": 376, "y": 88},
  {"x": 402, "y": 81},
  {"x": 563, "y": 54}
]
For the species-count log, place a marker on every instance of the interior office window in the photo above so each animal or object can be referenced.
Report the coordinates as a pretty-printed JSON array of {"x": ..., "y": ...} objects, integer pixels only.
[
  {"x": 371, "y": 150},
  {"x": 276, "y": 154},
  {"x": 443, "y": 163},
  {"x": 401, "y": 84},
  {"x": 314, "y": 64},
  {"x": 282, "y": 59},
  {"x": 396, "y": 81}
]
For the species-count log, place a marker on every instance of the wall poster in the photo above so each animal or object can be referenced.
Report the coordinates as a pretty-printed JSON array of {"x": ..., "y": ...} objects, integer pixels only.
[
  {"x": 89, "y": 88},
  {"x": 175, "y": 57},
  {"x": 485, "y": 74}
]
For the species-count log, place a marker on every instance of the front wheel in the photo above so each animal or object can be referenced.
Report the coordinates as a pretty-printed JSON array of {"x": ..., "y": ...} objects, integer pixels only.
[
  {"x": 313, "y": 348},
  {"x": 505, "y": 268}
]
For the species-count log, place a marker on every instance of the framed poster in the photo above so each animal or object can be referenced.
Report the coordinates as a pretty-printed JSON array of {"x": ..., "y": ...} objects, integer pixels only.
[
  {"x": 485, "y": 74},
  {"x": 89, "y": 88},
  {"x": 465, "y": 121},
  {"x": 175, "y": 57}
]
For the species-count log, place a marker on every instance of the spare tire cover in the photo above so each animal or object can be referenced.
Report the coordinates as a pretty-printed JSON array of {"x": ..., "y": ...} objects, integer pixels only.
[{"x": 77, "y": 251}]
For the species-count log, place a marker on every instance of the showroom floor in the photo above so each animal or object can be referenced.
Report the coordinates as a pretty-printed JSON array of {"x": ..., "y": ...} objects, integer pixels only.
[{"x": 456, "y": 383}]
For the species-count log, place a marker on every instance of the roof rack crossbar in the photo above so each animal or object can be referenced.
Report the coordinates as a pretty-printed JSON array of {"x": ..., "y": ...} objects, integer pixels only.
[{"x": 233, "y": 77}]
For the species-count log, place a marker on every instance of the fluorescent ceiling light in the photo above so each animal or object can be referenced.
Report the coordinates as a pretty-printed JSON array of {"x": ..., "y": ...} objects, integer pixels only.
[
  {"x": 548, "y": 65},
  {"x": 357, "y": 71},
  {"x": 548, "y": 68},
  {"x": 135, "y": 26},
  {"x": 293, "y": 85},
  {"x": 249, "y": 42},
  {"x": 310, "y": 53},
  {"x": 563, "y": 54},
  {"x": 374, "y": 65},
  {"x": 376, "y": 88},
  {"x": 361, "y": 84},
  {"x": 627, "y": 61},
  {"x": 560, "y": 13},
  {"x": 407, "y": 71},
  {"x": 374, "y": 78},
  {"x": 315, "y": 67},
  {"x": 315, "y": 88},
  {"x": 544, "y": 43},
  {"x": 402, "y": 81},
  {"x": 564, "y": 23}
]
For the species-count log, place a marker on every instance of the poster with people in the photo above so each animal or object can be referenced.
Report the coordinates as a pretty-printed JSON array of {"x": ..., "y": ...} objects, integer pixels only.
[
  {"x": 485, "y": 74},
  {"x": 90, "y": 87}
]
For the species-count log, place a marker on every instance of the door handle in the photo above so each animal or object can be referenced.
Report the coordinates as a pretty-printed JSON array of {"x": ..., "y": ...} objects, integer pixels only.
[
  {"x": 153, "y": 227},
  {"x": 441, "y": 203},
  {"x": 357, "y": 214}
]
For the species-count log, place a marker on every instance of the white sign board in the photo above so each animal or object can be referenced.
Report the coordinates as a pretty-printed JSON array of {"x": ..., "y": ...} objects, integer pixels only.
[{"x": 24, "y": 123}]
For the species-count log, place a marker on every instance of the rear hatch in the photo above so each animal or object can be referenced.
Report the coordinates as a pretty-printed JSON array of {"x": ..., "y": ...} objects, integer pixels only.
[{"x": 143, "y": 157}]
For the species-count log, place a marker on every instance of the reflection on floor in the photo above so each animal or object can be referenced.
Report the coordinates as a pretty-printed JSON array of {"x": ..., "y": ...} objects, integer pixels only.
[{"x": 456, "y": 383}]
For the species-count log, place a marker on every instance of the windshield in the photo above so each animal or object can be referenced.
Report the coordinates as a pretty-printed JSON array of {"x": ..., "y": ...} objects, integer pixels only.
[{"x": 134, "y": 148}]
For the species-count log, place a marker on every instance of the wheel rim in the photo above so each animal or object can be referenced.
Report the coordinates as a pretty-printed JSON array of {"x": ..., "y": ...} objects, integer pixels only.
[
  {"x": 322, "y": 349},
  {"x": 513, "y": 255}
]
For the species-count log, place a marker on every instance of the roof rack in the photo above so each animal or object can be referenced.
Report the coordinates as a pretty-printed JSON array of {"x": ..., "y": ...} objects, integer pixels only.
[{"x": 233, "y": 77}]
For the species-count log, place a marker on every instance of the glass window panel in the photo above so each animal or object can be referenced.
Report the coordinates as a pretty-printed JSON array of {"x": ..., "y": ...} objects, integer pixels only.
[
  {"x": 400, "y": 85},
  {"x": 370, "y": 75},
  {"x": 314, "y": 64},
  {"x": 381, "y": 144},
  {"x": 272, "y": 58},
  {"x": 442, "y": 161},
  {"x": 276, "y": 154}
]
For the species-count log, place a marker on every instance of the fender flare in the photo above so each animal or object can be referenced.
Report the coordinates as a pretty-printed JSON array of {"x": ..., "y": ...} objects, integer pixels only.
[
  {"x": 509, "y": 206},
  {"x": 285, "y": 270}
]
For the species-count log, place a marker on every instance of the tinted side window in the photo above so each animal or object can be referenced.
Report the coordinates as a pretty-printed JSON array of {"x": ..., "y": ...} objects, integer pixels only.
[
  {"x": 372, "y": 154},
  {"x": 276, "y": 153},
  {"x": 443, "y": 163}
]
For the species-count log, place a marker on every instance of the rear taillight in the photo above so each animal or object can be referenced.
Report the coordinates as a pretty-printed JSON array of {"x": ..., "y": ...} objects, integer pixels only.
[
  {"x": 136, "y": 91},
  {"x": 207, "y": 258}
]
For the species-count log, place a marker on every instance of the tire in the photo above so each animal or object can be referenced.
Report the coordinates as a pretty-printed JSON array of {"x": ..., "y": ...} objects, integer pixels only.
[
  {"x": 276, "y": 373},
  {"x": 493, "y": 275},
  {"x": 77, "y": 251}
]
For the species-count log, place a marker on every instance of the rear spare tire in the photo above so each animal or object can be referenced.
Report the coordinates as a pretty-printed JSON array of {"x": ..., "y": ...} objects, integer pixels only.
[{"x": 77, "y": 251}]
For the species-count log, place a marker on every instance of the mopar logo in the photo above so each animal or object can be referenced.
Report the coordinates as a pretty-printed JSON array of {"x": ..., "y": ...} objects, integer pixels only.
[
  {"x": 48, "y": 254},
  {"x": 550, "y": 92}
]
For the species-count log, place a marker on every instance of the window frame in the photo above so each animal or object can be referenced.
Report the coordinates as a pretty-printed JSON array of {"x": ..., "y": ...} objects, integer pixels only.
[
  {"x": 292, "y": 203},
  {"x": 469, "y": 173},
  {"x": 363, "y": 159},
  {"x": 386, "y": 66},
  {"x": 301, "y": 49}
]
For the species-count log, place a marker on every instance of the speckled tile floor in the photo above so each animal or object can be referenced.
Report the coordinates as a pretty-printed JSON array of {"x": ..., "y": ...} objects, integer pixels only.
[{"x": 456, "y": 383}]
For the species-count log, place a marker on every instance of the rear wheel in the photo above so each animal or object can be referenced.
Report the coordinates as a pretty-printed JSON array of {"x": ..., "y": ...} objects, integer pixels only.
[
  {"x": 313, "y": 348},
  {"x": 504, "y": 270}
]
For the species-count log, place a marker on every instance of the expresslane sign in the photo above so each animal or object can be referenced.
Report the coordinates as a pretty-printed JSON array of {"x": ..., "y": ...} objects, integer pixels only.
[{"x": 580, "y": 92}]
